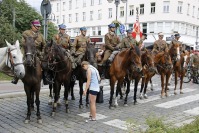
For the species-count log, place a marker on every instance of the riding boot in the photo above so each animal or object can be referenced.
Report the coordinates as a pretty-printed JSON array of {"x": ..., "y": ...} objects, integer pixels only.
[
  {"x": 47, "y": 78},
  {"x": 15, "y": 80}
]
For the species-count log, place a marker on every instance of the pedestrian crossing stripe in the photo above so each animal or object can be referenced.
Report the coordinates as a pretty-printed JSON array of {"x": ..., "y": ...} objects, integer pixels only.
[
  {"x": 194, "y": 111},
  {"x": 117, "y": 123},
  {"x": 98, "y": 116},
  {"x": 179, "y": 101}
]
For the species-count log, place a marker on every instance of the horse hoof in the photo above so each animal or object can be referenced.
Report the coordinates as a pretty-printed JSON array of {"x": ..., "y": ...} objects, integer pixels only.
[
  {"x": 116, "y": 105},
  {"x": 73, "y": 98},
  {"x": 39, "y": 121},
  {"x": 151, "y": 89},
  {"x": 175, "y": 93},
  {"x": 27, "y": 121},
  {"x": 32, "y": 109},
  {"x": 125, "y": 105},
  {"x": 135, "y": 102},
  {"x": 53, "y": 114},
  {"x": 81, "y": 106},
  {"x": 141, "y": 97},
  {"x": 50, "y": 103},
  {"x": 111, "y": 107},
  {"x": 67, "y": 111},
  {"x": 145, "y": 97},
  {"x": 121, "y": 97},
  {"x": 58, "y": 104},
  {"x": 87, "y": 105},
  {"x": 181, "y": 92}
]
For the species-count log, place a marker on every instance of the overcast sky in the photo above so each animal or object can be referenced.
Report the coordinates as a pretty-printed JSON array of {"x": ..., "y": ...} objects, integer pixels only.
[{"x": 35, "y": 4}]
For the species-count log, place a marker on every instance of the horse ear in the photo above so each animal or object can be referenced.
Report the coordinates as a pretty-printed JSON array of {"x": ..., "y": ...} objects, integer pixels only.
[
  {"x": 8, "y": 44},
  {"x": 17, "y": 43}
]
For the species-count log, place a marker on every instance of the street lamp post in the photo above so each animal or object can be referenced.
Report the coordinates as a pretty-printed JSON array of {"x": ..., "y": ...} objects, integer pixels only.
[{"x": 117, "y": 2}]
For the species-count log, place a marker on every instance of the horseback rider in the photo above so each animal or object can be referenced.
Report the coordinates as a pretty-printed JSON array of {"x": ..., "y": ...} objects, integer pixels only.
[
  {"x": 111, "y": 43},
  {"x": 160, "y": 44},
  {"x": 78, "y": 48},
  {"x": 195, "y": 63},
  {"x": 176, "y": 41},
  {"x": 63, "y": 39},
  {"x": 40, "y": 45},
  {"x": 127, "y": 41}
]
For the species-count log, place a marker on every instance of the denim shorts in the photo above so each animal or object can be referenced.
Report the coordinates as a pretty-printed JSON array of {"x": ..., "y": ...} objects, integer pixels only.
[{"x": 93, "y": 92}]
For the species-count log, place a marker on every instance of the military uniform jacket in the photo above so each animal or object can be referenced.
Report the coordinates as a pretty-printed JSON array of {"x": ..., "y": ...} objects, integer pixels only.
[
  {"x": 175, "y": 42},
  {"x": 111, "y": 41},
  {"x": 159, "y": 45},
  {"x": 127, "y": 42},
  {"x": 63, "y": 40},
  {"x": 79, "y": 45},
  {"x": 195, "y": 60},
  {"x": 39, "y": 42}
]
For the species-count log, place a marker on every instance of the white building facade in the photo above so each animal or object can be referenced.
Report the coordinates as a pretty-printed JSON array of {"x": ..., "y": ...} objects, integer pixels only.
[{"x": 167, "y": 16}]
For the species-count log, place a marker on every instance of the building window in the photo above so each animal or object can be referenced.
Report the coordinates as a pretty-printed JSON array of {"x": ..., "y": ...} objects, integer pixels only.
[
  {"x": 64, "y": 6},
  {"x": 130, "y": 26},
  {"x": 70, "y": 4},
  {"x": 84, "y": 3},
  {"x": 77, "y": 3},
  {"x": 151, "y": 27},
  {"x": 122, "y": 11},
  {"x": 198, "y": 14},
  {"x": 166, "y": 7},
  {"x": 99, "y": 30},
  {"x": 110, "y": 13},
  {"x": 57, "y": 19},
  {"x": 179, "y": 10},
  {"x": 144, "y": 27},
  {"x": 69, "y": 18},
  {"x": 100, "y": 2},
  {"x": 91, "y": 15},
  {"x": 183, "y": 28},
  {"x": 160, "y": 27},
  {"x": 188, "y": 9},
  {"x": 63, "y": 17},
  {"x": 99, "y": 14},
  {"x": 84, "y": 16},
  {"x": 141, "y": 8},
  {"x": 57, "y": 7},
  {"x": 193, "y": 11},
  {"x": 92, "y": 2},
  {"x": 176, "y": 27},
  {"x": 131, "y": 7},
  {"x": 152, "y": 8},
  {"x": 93, "y": 31},
  {"x": 167, "y": 28},
  {"x": 76, "y": 17}
]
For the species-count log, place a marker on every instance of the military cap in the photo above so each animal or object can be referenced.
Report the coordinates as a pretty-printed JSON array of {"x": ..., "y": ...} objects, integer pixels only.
[
  {"x": 83, "y": 29},
  {"x": 160, "y": 34},
  {"x": 62, "y": 26},
  {"x": 36, "y": 23},
  {"x": 129, "y": 31},
  {"x": 177, "y": 35},
  {"x": 111, "y": 25}
]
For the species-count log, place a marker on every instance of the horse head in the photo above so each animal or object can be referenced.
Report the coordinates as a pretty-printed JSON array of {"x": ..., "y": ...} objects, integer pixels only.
[
  {"x": 135, "y": 59},
  {"x": 90, "y": 54},
  {"x": 185, "y": 58},
  {"x": 163, "y": 59},
  {"x": 15, "y": 59},
  {"x": 30, "y": 51},
  {"x": 148, "y": 61},
  {"x": 175, "y": 51}
]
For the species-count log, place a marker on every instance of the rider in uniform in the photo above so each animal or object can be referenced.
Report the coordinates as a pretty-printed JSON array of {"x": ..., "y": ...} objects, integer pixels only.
[
  {"x": 160, "y": 44},
  {"x": 195, "y": 63},
  {"x": 176, "y": 40},
  {"x": 111, "y": 43},
  {"x": 78, "y": 48},
  {"x": 39, "y": 42},
  {"x": 63, "y": 39}
]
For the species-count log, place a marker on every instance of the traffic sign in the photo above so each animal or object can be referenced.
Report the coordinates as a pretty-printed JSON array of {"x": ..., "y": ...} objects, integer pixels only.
[
  {"x": 45, "y": 7},
  {"x": 122, "y": 28}
]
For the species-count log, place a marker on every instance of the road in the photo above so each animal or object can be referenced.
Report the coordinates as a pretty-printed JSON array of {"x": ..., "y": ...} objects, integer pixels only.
[{"x": 176, "y": 109}]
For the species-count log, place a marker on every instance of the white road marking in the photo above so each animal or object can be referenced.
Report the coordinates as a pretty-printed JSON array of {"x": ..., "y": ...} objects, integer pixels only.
[
  {"x": 194, "y": 111},
  {"x": 117, "y": 123},
  {"x": 179, "y": 101},
  {"x": 98, "y": 116},
  {"x": 188, "y": 121}
]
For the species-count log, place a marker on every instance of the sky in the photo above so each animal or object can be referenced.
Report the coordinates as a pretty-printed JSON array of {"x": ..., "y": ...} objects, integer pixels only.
[{"x": 35, "y": 4}]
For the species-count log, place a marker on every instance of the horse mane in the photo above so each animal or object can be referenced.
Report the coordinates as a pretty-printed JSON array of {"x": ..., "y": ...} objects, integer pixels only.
[
  {"x": 59, "y": 49},
  {"x": 137, "y": 50}
]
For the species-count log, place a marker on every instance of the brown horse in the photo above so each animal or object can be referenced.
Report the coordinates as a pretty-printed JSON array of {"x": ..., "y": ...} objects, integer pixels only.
[
  {"x": 164, "y": 66},
  {"x": 179, "y": 64},
  {"x": 61, "y": 66},
  {"x": 127, "y": 62},
  {"x": 148, "y": 69},
  {"x": 32, "y": 79}
]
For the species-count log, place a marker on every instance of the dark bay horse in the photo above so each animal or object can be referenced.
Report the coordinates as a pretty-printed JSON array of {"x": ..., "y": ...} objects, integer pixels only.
[
  {"x": 81, "y": 74},
  {"x": 180, "y": 61},
  {"x": 148, "y": 69},
  {"x": 32, "y": 79},
  {"x": 61, "y": 66},
  {"x": 164, "y": 66},
  {"x": 127, "y": 62}
]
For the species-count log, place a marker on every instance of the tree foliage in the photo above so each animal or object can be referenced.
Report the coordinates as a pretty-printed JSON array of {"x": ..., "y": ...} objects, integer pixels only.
[{"x": 24, "y": 14}]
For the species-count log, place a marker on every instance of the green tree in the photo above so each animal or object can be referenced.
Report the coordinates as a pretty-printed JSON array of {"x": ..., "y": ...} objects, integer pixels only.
[{"x": 51, "y": 30}]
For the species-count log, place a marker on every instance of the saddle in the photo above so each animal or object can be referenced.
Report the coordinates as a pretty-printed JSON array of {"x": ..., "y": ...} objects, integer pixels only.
[{"x": 111, "y": 58}]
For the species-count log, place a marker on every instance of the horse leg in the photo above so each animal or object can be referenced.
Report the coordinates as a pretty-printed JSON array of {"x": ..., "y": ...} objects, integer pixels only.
[
  {"x": 58, "y": 101},
  {"x": 135, "y": 90},
  {"x": 32, "y": 100},
  {"x": 181, "y": 81},
  {"x": 56, "y": 96},
  {"x": 80, "y": 93},
  {"x": 112, "y": 85},
  {"x": 142, "y": 86},
  {"x": 50, "y": 96},
  {"x": 162, "y": 85},
  {"x": 145, "y": 87},
  {"x": 166, "y": 84},
  {"x": 176, "y": 81},
  {"x": 118, "y": 90},
  {"x": 37, "y": 101},
  {"x": 72, "y": 84},
  {"x": 67, "y": 90},
  {"x": 28, "y": 95},
  {"x": 151, "y": 84},
  {"x": 127, "y": 91}
]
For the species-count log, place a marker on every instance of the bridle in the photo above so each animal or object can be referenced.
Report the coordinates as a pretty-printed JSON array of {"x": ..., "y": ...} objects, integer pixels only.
[{"x": 164, "y": 65}]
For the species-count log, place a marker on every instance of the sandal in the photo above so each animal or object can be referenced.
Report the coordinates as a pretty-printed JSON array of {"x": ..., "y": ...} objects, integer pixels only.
[{"x": 91, "y": 119}]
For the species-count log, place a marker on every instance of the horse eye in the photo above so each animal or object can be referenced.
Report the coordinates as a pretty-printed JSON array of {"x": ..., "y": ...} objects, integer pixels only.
[{"x": 14, "y": 56}]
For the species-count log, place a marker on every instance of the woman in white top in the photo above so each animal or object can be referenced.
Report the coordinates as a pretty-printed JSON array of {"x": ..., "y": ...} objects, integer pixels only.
[{"x": 92, "y": 84}]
